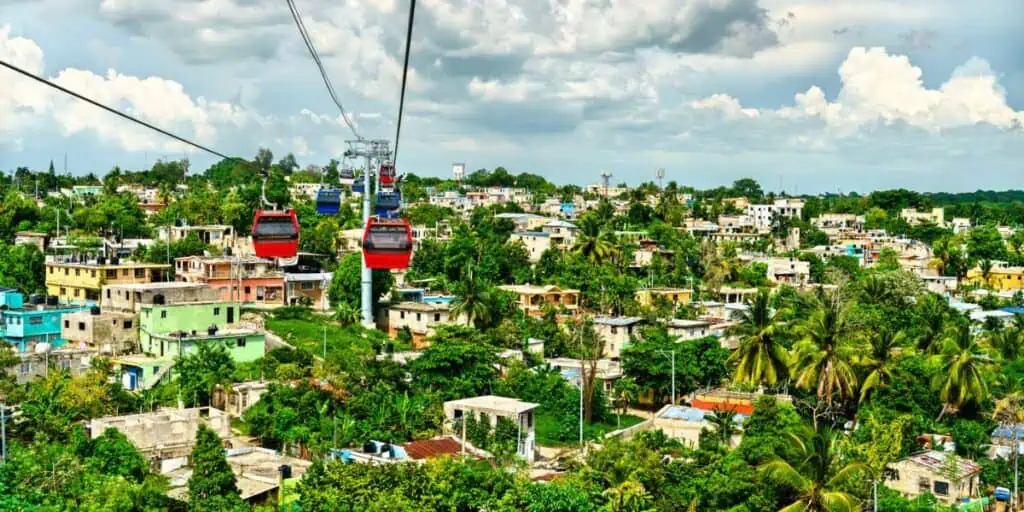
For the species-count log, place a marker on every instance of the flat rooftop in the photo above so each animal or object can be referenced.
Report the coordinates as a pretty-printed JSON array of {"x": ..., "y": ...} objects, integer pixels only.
[
  {"x": 168, "y": 285},
  {"x": 494, "y": 403}
]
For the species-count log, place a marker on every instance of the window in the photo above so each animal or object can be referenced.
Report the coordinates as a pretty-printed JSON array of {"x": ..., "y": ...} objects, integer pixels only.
[
  {"x": 941, "y": 488},
  {"x": 437, "y": 317},
  {"x": 81, "y": 326},
  {"x": 140, "y": 273},
  {"x": 35, "y": 320},
  {"x": 163, "y": 314},
  {"x": 401, "y": 315},
  {"x": 108, "y": 293},
  {"x": 67, "y": 324},
  {"x": 241, "y": 342},
  {"x": 307, "y": 286},
  {"x": 65, "y": 271},
  {"x": 111, "y": 273},
  {"x": 63, "y": 291},
  {"x": 124, "y": 272},
  {"x": 26, "y": 368},
  {"x": 92, "y": 273},
  {"x": 216, "y": 311},
  {"x": 127, "y": 324},
  {"x": 65, "y": 364},
  {"x": 418, "y": 317},
  {"x": 78, "y": 271},
  {"x": 457, "y": 414},
  {"x": 247, "y": 290},
  {"x": 77, "y": 291},
  {"x": 923, "y": 485},
  {"x": 615, "y": 330}
]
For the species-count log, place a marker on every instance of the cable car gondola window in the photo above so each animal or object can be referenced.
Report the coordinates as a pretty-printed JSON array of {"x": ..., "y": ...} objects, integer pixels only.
[
  {"x": 275, "y": 227},
  {"x": 388, "y": 239}
]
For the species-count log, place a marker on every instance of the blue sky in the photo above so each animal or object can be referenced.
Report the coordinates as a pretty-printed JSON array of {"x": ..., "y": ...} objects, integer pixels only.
[{"x": 814, "y": 95}]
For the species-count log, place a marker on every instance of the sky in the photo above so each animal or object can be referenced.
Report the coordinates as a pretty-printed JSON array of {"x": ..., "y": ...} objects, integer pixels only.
[{"x": 805, "y": 96}]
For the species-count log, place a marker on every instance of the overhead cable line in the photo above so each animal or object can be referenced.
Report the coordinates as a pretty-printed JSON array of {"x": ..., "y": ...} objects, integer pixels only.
[
  {"x": 405, "y": 75},
  {"x": 319, "y": 64},
  {"x": 112, "y": 110}
]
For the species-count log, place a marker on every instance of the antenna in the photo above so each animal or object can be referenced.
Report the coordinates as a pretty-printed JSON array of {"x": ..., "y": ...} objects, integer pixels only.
[{"x": 660, "y": 173}]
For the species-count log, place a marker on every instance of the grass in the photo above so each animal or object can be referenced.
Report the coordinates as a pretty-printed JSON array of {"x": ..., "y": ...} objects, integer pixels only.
[
  {"x": 546, "y": 428},
  {"x": 306, "y": 331}
]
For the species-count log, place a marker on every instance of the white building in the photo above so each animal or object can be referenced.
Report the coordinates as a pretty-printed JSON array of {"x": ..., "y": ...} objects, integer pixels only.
[
  {"x": 562, "y": 233},
  {"x": 616, "y": 332},
  {"x": 789, "y": 271},
  {"x": 421, "y": 318},
  {"x": 689, "y": 329},
  {"x": 913, "y": 217},
  {"x": 521, "y": 413},
  {"x": 304, "y": 190},
  {"x": 458, "y": 171},
  {"x": 764, "y": 213},
  {"x": 536, "y": 242}
]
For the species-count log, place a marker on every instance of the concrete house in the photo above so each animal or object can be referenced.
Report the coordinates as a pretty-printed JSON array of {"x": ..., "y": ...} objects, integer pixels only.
[
  {"x": 24, "y": 325},
  {"x": 532, "y": 298},
  {"x": 131, "y": 297},
  {"x": 688, "y": 329},
  {"x": 79, "y": 282},
  {"x": 648, "y": 297},
  {"x": 176, "y": 329},
  {"x": 616, "y": 332},
  {"x": 421, "y": 318},
  {"x": 932, "y": 472},
  {"x": 165, "y": 433},
  {"x": 521, "y": 413},
  {"x": 247, "y": 279},
  {"x": 536, "y": 242},
  {"x": 108, "y": 332}
]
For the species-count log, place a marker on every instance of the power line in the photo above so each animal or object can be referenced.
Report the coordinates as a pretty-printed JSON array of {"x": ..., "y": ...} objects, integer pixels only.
[
  {"x": 319, "y": 64},
  {"x": 405, "y": 74},
  {"x": 114, "y": 111}
]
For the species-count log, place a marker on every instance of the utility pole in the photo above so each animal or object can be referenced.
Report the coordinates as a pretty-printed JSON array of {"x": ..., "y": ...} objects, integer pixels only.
[
  {"x": 3, "y": 432},
  {"x": 370, "y": 150},
  {"x": 325, "y": 344},
  {"x": 671, "y": 354}
]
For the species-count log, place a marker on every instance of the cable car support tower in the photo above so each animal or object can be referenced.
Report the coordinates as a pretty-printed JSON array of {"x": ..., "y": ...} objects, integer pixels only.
[{"x": 370, "y": 151}]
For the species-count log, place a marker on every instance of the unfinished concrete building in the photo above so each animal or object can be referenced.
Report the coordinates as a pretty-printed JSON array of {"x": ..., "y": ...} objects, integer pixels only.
[
  {"x": 166, "y": 433},
  {"x": 131, "y": 297},
  {"x": 108, "y": 332}
]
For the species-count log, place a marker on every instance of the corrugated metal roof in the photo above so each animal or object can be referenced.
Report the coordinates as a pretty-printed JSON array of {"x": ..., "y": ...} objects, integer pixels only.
[
  {"x": 935, "y": 460},
  {"x": 430, "y": 448},
  {"x": 692, "y": 414}
]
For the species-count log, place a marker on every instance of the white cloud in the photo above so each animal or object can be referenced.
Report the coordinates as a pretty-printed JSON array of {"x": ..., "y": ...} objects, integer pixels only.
[
  {"x": 726, "y": 104},
  {"x": 878, "y": 88}
]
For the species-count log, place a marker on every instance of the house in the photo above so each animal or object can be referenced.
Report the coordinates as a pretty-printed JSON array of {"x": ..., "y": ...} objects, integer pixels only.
[
  {"x": 836, "y": 222},
  {"x": 616, "y": 332},
  {"x": 308, "y": 287},
  {"x": 764, "y": 214},
  {"x": 421, "y": 318},
  {"x": 942, "y": 474},
  {"x": 1001, "y": 278},
  {"x": 960, "y": 225},
  {"x": 608, "y": 191},
  {"x": 376, "y": 452},
  {"x": 737, "y": 224},
  {"x": 247, "y": 279},
  {"x": 647, "y": 251},
  {"x": 217, "y": 235},
  {"x": 109, "y": 332},
  {"x": 139, "y": 372},
  {"x": 607, "y": 371},
  {"x": 31, "y": 238},
  {"x": 790, "y": 271},
  {"x": 493, "y": 407},
  {"x": 913, "y": 217},
  {"x": 685, "y": 423},
  {"x": 532, "y": 298},
  {"x": 83, "y": 191},
  {"x": 731, "y": 295},
  {"x": 259, "y": 473},
  {"x": 561, "y": 233},
  {"x": 171, "y": 330},
  {"x": 740, "y": 203},
  {"x": 306, "y": 191},
  {"x": 24, "y": 326},
  {"x": 32, "y": 365},
  {"x": 688, "y": 329},
  {"x": 239, "y": 397},
  {"x": 131, "y": 297},
  {"x": 75, "y": 281},
  {"x": 649, "y": 297},
  {"x": 536, "y": 242},
  {"x": 524, "y": 221},
  {"x": 165, "y": 433}
]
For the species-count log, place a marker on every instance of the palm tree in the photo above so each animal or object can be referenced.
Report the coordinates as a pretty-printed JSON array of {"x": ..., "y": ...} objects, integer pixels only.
[
  {"x": 346, "y": 314},
  {"x": 879, "y": 360},
  {"x": 933, "y": 314},
  {"x": 822, "y": 356},
  {"x": 1008, "y": 342},
  {"x": 724, "y": 421},
  {"x": 986, "y": 271},
  {"x": 964, "y": 363},
  {"x": 593, "y": 241},
  {"x": 760, "y": 359},
  {"x": 473, "y": 299},
  {"x": 817, "y": 475},
  {"x": 623, "y": 393}
]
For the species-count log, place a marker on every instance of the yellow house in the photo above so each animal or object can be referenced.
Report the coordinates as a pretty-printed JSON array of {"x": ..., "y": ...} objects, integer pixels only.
[
  {"x": 1000, "y": 278},
  {"x": 676, "y": 296},
  {"x": 532, "y": 298},
  {"x": 79, "y": 282}
]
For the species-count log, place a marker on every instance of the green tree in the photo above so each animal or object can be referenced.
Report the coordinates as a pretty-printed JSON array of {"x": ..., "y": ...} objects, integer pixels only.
[
  {"x": 818, "y": 475},
  {"x": 200, "y": 372},
  {"x": 964, "y": 366},
  {"x": 346, "y": 285},
  {"x": 212, "y": 484},
  {"x": 822, "y": 360},
  {"x": 878, "y": 360},
  {"x": 760, "y": 360},
  {"x": 593, "y": 241},
  {"x": 985, "y": 243},
  {"x": 474, "y": 298}
]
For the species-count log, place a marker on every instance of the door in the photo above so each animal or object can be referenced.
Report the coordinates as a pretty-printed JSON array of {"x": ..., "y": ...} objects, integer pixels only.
[{"x": 231, "y": 315}]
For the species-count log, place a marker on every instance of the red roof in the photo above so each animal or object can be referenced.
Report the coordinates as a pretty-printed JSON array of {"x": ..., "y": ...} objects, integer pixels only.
[
  {"x": 430, "y": 448},
  {"x": 740, "y": 407}
]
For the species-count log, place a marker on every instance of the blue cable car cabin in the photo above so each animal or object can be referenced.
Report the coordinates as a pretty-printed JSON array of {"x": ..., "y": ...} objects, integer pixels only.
[
  {"x": 358, "y": 185},
  {"x": 328, "y": 201}
]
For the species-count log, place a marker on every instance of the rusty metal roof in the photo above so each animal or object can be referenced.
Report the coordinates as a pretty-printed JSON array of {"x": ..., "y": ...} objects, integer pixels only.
[{"x": 430, "y": 448}]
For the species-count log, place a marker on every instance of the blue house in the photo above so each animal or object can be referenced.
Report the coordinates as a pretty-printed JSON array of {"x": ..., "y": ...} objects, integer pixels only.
[{"x": 24, "y": 325}]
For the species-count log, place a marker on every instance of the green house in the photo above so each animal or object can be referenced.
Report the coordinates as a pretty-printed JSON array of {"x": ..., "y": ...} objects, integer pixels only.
[{"x": 173, "y": 330}]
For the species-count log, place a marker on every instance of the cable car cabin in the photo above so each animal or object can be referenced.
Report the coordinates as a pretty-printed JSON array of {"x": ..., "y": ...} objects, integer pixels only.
[
  {"x": 387, "y": 174},
  {"x": 328, "y": 201},
  {"x": 275, "y": 234},
  {"x": 358, "y": 186},
  {"x": 346, "y": 173},
  {"x": 387, "y": 243},
  {"x": 388, "y": 201}
]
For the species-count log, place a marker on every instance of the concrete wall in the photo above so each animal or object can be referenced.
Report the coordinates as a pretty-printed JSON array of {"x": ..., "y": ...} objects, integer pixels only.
[
  {"x": 125, "y": 298},
  {"x": 109, "y": 332},
  {"x": 34, "y": 365},
  {"x": 187, "y": 317},
  {"x": 915, "y": 479},
  {"x": 164, "y": 429}
]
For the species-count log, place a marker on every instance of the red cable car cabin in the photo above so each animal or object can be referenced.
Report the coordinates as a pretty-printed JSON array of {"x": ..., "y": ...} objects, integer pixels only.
[
  {"x": 387, "y": 243},
  {"x": 275, "y": 234},
  {"x": 387, "y": 175}
]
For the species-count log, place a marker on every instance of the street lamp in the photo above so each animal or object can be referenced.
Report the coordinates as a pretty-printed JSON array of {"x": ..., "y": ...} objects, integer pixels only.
[{"x": 672, "y": 355}]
